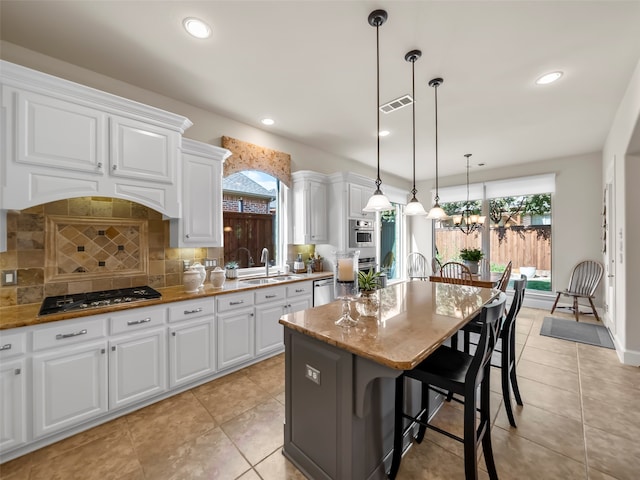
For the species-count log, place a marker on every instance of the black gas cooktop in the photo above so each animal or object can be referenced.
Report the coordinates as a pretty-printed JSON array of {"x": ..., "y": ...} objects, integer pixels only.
[{"x": 83, "y": 301}]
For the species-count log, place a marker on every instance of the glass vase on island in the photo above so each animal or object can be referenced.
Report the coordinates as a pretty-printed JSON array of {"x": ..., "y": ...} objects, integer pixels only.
[{"x": 345, "y": 284}]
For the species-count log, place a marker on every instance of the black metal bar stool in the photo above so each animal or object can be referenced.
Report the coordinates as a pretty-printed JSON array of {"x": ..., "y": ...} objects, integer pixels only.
[{"x": 450, "y": 370}]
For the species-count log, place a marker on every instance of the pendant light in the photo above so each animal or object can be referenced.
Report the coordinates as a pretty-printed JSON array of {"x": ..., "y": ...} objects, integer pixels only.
[
  {"x": 414, "y": 207},
  {"x": 378, "y": 202},
  {"x": 436, "y": 212},
  {"x": 467, "y": 221}
]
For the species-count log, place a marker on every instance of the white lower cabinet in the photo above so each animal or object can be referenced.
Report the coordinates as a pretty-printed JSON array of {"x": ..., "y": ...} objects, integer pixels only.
[
  {"x": 191, "y": 351},
  {"x": 69, "y": 386},
  {"x": 271, "y": 304},
  {"x": 60, "y": 375},
  {"x": 299, "y": 304},
  {"x": 137, "y": 367},
  {"x": 235, "y": 330},
  {"x": 13, "y": 411},
  {"x": 299, "y": 296},
  {"x": 269, "y": 333}
]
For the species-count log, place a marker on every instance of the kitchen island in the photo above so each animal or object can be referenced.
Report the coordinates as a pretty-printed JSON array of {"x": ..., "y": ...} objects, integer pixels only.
[{"x": 340, "y": 381}]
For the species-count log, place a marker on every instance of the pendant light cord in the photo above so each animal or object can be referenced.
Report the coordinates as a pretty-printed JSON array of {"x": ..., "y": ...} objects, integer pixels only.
[
  {"x": 413, "y": 94},
  {"x": 437, "y": 199},
  {"x": 378, "y": 181}
]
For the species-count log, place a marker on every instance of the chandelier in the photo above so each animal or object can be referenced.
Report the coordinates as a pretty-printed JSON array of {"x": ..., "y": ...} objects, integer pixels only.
[{"x": 468, "y": 222}]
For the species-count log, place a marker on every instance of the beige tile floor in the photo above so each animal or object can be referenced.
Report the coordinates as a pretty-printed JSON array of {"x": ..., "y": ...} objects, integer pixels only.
[{"x": 581, "y": 420}]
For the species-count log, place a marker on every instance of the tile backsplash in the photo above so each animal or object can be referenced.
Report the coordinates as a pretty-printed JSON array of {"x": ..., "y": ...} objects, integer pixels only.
[{"x": 94, "y": 243}]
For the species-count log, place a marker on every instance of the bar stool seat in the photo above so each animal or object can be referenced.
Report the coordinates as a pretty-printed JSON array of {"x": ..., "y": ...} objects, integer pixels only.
[{"x": 449, "y": 370}]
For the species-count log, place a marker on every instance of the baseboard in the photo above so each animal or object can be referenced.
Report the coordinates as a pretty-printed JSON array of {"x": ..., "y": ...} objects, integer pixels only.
[{"x": 627, "y": 357}]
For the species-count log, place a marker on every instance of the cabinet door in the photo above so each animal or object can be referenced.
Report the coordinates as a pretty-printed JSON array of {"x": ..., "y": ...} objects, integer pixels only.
[
  {"x": 269, "y": 333},
  {"x": 137, "y": 367},
  {"x": 317, "y": 211},
  {"x": 202, "y": 201},
  {"x": 13, "y": 412},
  {"x": 235, "y": 331},
  {"x": 299, "y": 303},
  {"x": 58, "y": 134},
  {"x": 69, "y": 387},
  {"x": 143, "y": 151},
  {"x": 358, "y": 197},
  {"x": 191, "y": 352}
]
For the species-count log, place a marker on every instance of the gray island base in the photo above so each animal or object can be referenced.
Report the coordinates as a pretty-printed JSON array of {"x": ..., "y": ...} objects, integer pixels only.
[{"x": 340, "y": 383}]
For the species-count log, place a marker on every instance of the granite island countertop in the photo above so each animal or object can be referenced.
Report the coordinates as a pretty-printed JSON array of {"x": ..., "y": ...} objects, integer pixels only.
[
  {"x": 414, "y": 318},
  {"x": 27, "y": 315}
]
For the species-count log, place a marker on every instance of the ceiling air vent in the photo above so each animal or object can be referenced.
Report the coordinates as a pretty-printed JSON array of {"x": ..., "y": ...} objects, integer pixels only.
[{"x": 396, "y": 104}]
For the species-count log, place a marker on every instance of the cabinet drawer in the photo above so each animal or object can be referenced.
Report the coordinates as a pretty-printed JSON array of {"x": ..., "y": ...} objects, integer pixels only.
[
  {"x": 265, "y": 295},
  {"x": 299, "y": 288},
  {"x": 234, "y": 300},
  {"x": 12, "y": 344},
  {"x": 69, "y": 332},
  {"x": 137, "y": 319},
  {"x": 191, "y": 309}
]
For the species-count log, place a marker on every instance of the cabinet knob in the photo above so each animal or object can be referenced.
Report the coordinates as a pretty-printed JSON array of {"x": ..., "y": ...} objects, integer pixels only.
[
  {"x": 187, "y": 235},
  {"x": 173, "y": 333},
  {"x": 99, "y": 165},
  {"x": 103, "y": 351},
  {"x": 113, "y": 348},
  {"x": 115, "y": 167},
  {"x": 17, "y": 371}
]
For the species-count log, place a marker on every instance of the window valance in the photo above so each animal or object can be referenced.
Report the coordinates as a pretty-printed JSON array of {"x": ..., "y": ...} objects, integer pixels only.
[
  {"x": 510, "y": 187},
  {"x": 247, "y": 156}
]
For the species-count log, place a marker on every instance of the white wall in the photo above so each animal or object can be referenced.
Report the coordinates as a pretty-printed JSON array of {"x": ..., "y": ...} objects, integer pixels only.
[
  {"x": 622, "y": 155},
  {"x": 577, "y": 208},
  {"x": 207, "y": 127}
]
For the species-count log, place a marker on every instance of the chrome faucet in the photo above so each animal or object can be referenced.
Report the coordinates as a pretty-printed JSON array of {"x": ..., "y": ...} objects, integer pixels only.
[{"x": 264, "y": 258}]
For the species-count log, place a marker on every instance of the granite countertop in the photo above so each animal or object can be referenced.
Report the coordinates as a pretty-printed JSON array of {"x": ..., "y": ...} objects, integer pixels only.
[
  {"x": 27, "y": 315},
  {"x": 413, "y": 320}
]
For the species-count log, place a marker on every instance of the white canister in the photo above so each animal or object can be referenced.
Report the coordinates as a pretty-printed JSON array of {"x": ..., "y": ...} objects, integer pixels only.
[
  {"x": 201, "y": 271},
  {"x": 217, "y": 277},
  {"x": 191, "y": 280}
]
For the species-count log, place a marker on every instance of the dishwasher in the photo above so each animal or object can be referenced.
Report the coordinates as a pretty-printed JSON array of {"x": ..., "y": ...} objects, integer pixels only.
[{"x": 322, "y": 291}]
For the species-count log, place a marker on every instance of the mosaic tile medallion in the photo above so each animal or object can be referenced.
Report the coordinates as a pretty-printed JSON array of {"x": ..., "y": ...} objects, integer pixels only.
[{"x": 79, "y": 248}]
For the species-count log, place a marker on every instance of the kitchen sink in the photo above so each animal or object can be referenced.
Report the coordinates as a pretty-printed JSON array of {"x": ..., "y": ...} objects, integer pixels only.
[
  {"x": 270, "y": 280},
  {"x": 260, "y": 281}
]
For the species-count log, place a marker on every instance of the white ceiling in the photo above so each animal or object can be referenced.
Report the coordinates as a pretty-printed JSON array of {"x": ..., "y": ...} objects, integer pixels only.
[{"x": 311, "y": 66}]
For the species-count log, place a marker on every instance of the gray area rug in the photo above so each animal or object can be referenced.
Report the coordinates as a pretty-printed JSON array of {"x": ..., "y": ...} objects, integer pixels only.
[{"x": 576, "y": 332}]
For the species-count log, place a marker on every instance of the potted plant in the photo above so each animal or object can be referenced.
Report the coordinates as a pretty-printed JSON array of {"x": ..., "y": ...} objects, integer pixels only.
[
  {"x": 367, "y": 304},
  {"x": 232, "y": 269},
  {"x": 471, "y": 257}
]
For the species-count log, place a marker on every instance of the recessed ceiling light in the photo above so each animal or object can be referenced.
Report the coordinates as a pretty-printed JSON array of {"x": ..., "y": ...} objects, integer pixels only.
[
  {"x": 196, "y": 27},
  {"x": 384, "y": 133},
  {"x": 268, "y": 121},
  {"x": 548, "y": 78}
]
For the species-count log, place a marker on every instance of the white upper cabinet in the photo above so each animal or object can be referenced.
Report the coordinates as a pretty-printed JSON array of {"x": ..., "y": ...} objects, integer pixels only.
[
  {"x": 358, "y": 198},
  {"x": 142, "y": 151},
  {"x": 310, "y": 196},
  {"x": 66, "y": 140},
  {"x": 58, "y": 134},
  {"x": 200, "y": 224}
]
